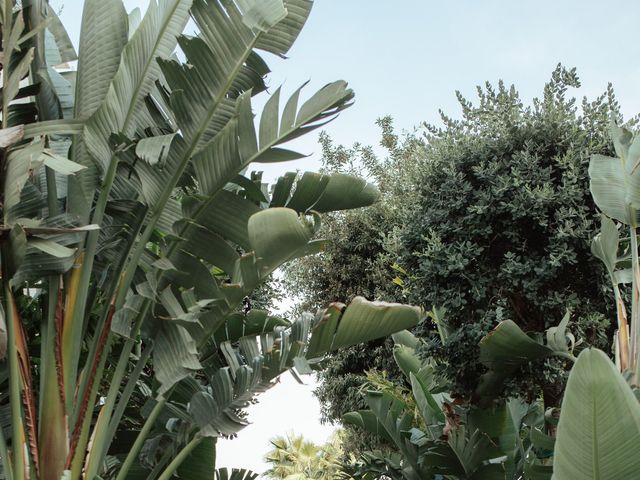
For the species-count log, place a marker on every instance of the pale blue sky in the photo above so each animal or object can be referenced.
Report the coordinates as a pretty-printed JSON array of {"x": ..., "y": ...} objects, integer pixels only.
[{"x": 405, "y": 58}]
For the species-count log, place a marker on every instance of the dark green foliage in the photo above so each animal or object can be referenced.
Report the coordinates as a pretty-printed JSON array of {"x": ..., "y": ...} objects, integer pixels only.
[
  {"x": 488, "y": 216},
  {"x": 358, "y": 260},
  {"x": 362, "y": 246},
  {"x": 502, "y": 225},
  {"x": 359, "y": 240}
]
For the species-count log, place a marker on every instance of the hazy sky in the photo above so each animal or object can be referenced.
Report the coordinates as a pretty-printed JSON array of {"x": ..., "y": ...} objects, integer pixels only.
[{"x": 406, "y": 58}]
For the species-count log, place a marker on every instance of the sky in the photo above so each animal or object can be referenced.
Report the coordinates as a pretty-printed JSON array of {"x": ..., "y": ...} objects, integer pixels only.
[{"x": 406, "y": 58}]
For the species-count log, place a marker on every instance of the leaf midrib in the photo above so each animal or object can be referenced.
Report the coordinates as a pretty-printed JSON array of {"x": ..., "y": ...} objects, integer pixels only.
[
  {"x": 205, "y": 205},
  {"x": 150, "y": 59}
]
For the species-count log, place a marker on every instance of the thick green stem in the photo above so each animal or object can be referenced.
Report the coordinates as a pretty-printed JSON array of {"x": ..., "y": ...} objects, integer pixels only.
[
  {"x": 635, "y": 292},
  {"x": 72, "y": 358},
  {"x": 80, "y": 448},
  {"x": 181, "y": 457},
  {"x": 132, "y": 456},
  {"x": 7, "y": 23},
  {"x": 95, "y": 343},
  {"x": 15, "y": 398},
  {"x": 129, "y": 388},
  {"x": 86, "y": 406},
  {"x": 7, "y": 468},
  {"x": 107, "y": 424}
]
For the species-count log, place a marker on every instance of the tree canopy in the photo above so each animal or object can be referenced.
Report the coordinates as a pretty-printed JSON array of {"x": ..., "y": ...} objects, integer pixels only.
[{"x": 486, "y": 217}]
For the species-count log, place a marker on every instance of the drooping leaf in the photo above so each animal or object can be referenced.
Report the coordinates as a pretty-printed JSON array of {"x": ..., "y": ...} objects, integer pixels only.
[
  {"x": 60, "y": 164},
  {"x": 507, "y": 346},
  {"x": 363, "y": 321},
  {"x": 276, "y": 234},
  {"x": 605, "y": 244}
]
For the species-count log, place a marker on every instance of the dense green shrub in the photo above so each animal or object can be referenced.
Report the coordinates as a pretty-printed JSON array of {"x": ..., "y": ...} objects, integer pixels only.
[
  {"x": 358, "y": 260},
  {"x": 502, "y": 224},
  {"x": 489, "y": 216}
]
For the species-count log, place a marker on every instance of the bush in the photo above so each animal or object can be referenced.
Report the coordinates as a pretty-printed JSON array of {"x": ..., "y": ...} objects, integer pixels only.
[
  {"x": 488, "y": 216},
  {"x": 502, "y": 224}
]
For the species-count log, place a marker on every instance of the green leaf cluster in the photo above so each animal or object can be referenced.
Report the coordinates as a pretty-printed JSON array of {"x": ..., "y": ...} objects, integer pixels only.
[{"x": 132, "y": 236}]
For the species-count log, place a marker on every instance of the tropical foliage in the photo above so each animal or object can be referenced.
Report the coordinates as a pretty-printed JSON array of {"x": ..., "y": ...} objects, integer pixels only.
[
  {"x": 358, "y": 260},
  {"x": 439, "y": 436},
  {"x": 131, "y": 234},
  {"x": 487, "y": 218}
]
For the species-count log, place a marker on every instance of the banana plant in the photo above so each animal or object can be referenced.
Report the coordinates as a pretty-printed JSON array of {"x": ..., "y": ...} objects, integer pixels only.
[
  {"x": 132, "y": 233},
  {"x": 615, "y": 187},
  {"x": 599, "y": 422},
  {"x": 506, "y": 348},
  {"x": 599, "y": 425}
]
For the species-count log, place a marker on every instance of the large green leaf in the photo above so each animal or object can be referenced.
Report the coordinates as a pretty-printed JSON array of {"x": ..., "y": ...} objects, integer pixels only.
[
  {"x": 103, "y": 35},
  {"x": 508, "y": 347},
  {"x": 599, "y": 426},
  {"x": 123, "y": 107},
  {"x": 428, "y": 405},
  {"x": 608, "y": 187},
  {"x": 605, "y": 244},
  {"x": 279, "y": 39},
  {"x": 323, "y": 192},
  {"x": 363, "y": 321},
  {"x": 615, "y": 182},
  {"x": 368, "y": 421},
  {"x": 276, "y": 234}
]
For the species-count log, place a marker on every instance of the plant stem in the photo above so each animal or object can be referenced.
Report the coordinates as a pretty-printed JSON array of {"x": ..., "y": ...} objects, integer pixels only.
[
  {"x": 7, "y": 468},
  {"x": 15, "y": 399},
  {"x": 105, "y": 432},
  {"x": 181, "y": 457},
  {"x": 80, "y": 436},
  {"x": 635, "y": 292},
  {"x": 7, "y": 23},
  {"x": 623, "y": 328},
  {"x": 132, "y": 456},
  {"x": 72, "y": 358},
  {"x": 127, "y": 392}
]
